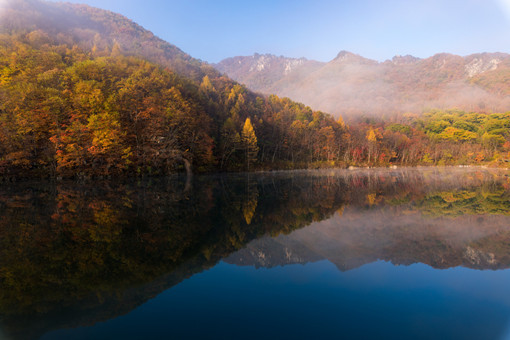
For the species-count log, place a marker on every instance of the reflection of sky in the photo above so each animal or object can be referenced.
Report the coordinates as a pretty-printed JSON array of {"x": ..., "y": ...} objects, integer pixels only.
[
  {"x": 318, "y": 301},
  {"x": 506, "y": 334}
]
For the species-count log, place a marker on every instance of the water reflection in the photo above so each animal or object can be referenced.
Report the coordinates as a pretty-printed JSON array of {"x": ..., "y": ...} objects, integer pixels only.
[{"x": 75, "y": 254}]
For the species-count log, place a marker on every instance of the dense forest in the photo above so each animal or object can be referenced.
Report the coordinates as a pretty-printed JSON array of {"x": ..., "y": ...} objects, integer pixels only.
[
  {"x": 94, "y": 94},
  {"x": 73, "y": 106}
]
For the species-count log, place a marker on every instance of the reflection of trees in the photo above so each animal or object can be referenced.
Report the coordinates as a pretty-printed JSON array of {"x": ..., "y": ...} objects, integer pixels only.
[
  {"x": 81, "y": 249},
  {"x": 447, "y": 192},
  {"x": 474, "y": 200},
  {"x": 66, "y": 245},
  {"x": 250, "y": 203}
]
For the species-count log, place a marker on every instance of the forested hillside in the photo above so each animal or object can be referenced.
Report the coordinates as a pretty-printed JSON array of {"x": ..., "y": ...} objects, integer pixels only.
[{"x": 90, "y": 93}]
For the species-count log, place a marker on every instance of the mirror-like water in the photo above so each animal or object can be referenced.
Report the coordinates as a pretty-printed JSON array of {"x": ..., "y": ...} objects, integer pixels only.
[{"x": 407, "y": 253}]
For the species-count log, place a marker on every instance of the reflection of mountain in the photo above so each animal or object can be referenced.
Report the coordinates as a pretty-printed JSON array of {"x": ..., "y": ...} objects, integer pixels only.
[
  {"x": 75, "y": 254},
  {"x": 401, "y": 237},
  {"x": 462, "y": 221}
]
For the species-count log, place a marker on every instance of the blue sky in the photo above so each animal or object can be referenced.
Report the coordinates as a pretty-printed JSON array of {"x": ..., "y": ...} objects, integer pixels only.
[{"x": 318, "y": 29}]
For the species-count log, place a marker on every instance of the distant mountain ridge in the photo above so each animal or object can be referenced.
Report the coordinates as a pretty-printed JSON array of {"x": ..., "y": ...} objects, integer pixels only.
[
  {"x": 351, "y": 84},
  {"x": 263, "y": 71}
]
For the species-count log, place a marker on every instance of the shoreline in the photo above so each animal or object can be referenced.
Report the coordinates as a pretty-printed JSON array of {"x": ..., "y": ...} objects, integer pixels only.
[{"x": 14, "y": 178}]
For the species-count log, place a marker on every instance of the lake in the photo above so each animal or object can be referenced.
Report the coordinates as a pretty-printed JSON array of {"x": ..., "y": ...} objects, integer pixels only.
[{"x": 412, "y": 253}]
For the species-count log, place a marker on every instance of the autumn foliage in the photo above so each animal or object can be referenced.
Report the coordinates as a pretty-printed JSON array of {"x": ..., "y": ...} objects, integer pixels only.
[{"x": 97, "y": 95}]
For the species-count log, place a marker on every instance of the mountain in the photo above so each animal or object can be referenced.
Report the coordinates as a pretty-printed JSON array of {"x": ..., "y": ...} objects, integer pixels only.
[
  {"x": 87, "y": 92},
  {"x": 351, "y": 84},
  {"x": 265, "y": 72},
  {"x": 93, "y": 28}
]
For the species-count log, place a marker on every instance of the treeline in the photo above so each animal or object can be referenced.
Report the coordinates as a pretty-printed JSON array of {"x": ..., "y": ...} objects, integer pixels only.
[{"x": 437, "y": 137}]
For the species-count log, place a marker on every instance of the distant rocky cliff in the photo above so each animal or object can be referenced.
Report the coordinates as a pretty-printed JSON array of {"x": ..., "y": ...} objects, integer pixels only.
[{"x": 351, "y": 84}]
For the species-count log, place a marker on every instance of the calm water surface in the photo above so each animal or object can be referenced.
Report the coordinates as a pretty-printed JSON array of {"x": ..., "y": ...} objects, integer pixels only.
[{"x": 363, "y": 254}]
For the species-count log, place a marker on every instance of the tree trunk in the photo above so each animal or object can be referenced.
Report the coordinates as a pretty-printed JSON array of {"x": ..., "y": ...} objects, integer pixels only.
[{"x": 187, "y": 165}]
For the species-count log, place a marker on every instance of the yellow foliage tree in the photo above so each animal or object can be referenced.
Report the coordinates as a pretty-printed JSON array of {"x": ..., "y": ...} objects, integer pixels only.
[
  {"x": 372, "y": 140},
  {"x": 371, "y": 137},
  {"x": 206, "y": 86},
  {"x": 249, "y": 140},
  {"x": 341, "y": 122}
]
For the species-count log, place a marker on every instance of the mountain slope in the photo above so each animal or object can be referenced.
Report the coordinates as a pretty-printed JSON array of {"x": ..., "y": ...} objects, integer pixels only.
[
  {"x": 89, "y": 27},
  {"x": 264, "y": 72},
  {"x": 87, "y": 92},
  {"x": 351, "y": 84}
]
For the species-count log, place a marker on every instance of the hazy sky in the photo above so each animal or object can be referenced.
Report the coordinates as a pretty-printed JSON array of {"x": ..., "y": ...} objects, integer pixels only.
[{"x": 318, "y": 29}]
